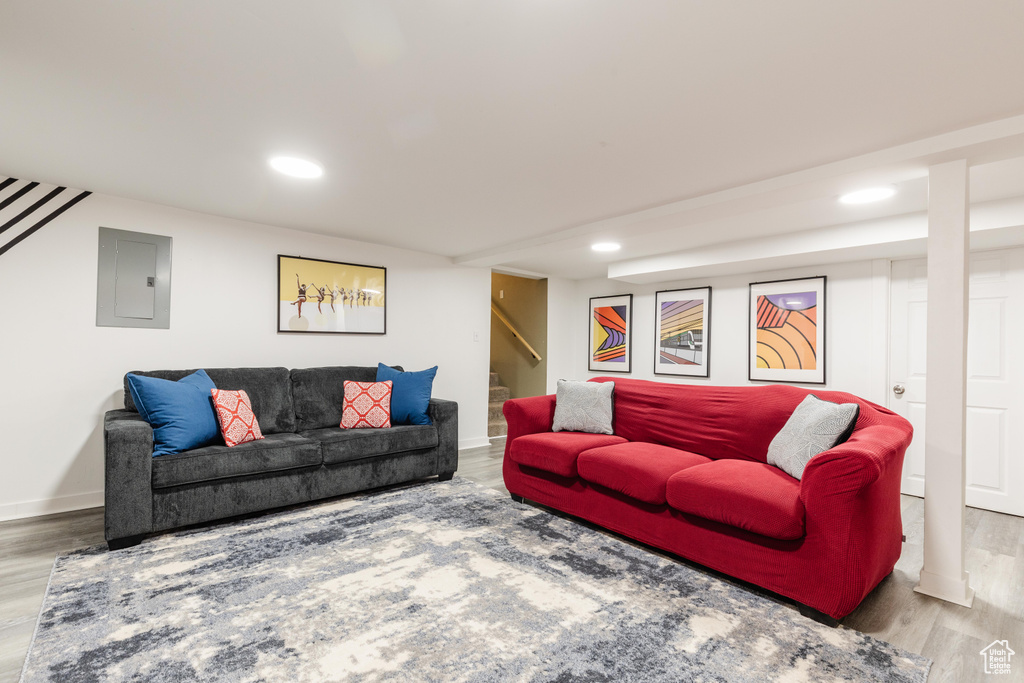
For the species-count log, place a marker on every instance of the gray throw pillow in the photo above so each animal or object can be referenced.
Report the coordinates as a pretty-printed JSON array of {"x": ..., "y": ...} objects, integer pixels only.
[
  {"x": 583, "y": 407},
  {"x": 814, "y": 427}
]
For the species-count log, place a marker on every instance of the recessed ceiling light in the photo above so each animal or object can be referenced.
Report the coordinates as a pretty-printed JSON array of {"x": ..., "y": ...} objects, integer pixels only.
[
  {"x": 606, "y": 246},
  {"x": 866, "y": 196},
  {"x": 296, "y": 167}
]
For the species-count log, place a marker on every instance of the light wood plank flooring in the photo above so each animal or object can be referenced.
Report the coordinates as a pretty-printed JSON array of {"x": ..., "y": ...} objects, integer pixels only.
[
  {"x": 950, "y": 635},
  {"x": 27, "y": 549}
]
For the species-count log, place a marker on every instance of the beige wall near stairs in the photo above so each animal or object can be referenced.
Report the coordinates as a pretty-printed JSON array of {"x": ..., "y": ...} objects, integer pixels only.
[{"x": 525, "y": 304}]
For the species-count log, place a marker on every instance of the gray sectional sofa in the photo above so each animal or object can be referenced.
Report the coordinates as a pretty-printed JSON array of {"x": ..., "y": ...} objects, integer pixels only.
[{"x": 304, "y": 457}]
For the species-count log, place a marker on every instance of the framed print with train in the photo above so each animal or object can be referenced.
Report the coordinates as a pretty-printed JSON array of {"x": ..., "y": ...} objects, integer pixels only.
[
  {"x": 314, "y": 295},
  {"x": 610, "y": 331},
  {"x": 682, "y": 334},
  {"x": 787, "y": 331}
]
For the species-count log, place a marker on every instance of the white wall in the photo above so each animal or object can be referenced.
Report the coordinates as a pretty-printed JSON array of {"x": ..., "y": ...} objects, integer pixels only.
[
  {"x": 60, "y": 372},
  {"x": 563, "y": 314},
  {"x": 856, "y": 320}
]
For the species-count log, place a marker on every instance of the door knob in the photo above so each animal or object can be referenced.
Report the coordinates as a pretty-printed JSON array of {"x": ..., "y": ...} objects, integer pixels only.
[{"x": 898, "y": 389}]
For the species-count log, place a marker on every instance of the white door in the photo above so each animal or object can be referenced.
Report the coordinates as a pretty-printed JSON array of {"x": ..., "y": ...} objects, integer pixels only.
[{"x": 995, "y": 375}]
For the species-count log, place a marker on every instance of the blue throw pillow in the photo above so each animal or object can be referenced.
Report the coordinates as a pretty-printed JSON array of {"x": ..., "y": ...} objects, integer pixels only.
[
  {"x": 181, "y": 413},
  {"x": 410, "y": 394}
]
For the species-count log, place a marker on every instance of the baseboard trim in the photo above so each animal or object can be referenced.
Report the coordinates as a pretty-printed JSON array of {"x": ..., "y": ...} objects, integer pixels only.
[
  {"x": 474, "y": 443},
  {"x": 50, "y": 506},
  {"x": 951, "y": 589}
]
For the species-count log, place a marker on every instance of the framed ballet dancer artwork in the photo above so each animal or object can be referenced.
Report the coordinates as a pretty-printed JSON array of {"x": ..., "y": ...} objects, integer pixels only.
[{"x": 316, "y": 295}]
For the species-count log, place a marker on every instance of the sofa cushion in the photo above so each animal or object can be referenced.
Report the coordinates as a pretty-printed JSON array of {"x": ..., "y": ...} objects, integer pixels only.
[
  {"x": 179, "y": 411},
  {"x": 320, "y": 392},
  {"x": 583, "y": 407},
  {"x": 274, "y": 453},
  {"x": 719, "y": 422},
  {"x": 814, "y": 427},
  {"x": 269, "y": 390},
  {"x": 237, "y": 422},
  {"x": 556, "y": 452},
  {"x": 367, "y": 405},
  {"x": 754, "y": 496},
  {"x": 411, "y": 394},
  {"x": 639, "y": 470},
  {"x": 344, "y": 445}
]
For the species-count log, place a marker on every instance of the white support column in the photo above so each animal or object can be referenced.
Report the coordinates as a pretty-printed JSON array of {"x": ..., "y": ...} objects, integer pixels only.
[{"x": 943, "y": 575}]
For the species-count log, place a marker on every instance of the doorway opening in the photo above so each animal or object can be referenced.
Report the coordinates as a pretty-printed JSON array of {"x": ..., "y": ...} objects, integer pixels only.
[{"x": 519, "y": 339}]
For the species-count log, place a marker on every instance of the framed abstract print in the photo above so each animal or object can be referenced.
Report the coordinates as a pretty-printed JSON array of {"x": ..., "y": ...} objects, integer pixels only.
[
  {"x": 610, "y": 332},
  {"x": 681, "y": 335},
  {"x": 315, "y": 295},
  {"x": 787, "y": 331}
]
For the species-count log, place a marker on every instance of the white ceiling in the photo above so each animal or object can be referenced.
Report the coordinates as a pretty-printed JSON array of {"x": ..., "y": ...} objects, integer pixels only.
[{"x": 492, "y": 131}]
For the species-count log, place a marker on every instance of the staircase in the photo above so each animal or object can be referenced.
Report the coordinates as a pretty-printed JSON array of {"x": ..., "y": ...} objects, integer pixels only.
[{"x": 496, "y": 425}]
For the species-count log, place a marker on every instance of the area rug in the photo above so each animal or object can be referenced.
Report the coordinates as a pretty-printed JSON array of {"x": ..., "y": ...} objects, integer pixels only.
[{"x": 441, "y": 581}]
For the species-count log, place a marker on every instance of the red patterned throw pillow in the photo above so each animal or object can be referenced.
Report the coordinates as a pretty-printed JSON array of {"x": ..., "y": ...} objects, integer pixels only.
[
  {"x": 367, "y": 405},
  {"x": 234, "y": 414}
]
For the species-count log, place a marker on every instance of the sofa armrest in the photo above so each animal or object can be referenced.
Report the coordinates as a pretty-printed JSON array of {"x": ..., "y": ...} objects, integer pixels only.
[
  {"x": 445, "y": 416},
  {"x": 529, "y": 415},
  {"x": 128, "y": 475},
  {"x": 871, "y": 454},
  {"x": 851, "y": 494}
]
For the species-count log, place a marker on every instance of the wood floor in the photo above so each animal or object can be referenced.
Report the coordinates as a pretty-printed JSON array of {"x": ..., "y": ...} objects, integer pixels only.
[
  {"x": 27, "y": 549},
  {"x": 950, "y": 635}
]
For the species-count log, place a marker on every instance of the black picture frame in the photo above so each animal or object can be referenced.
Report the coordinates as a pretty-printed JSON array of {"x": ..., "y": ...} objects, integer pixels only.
[
  {"x": 606, "y": 353},
  {"x": 355, "y": 303},
  {"x": 689, "y": 354},
  {"x": 785, "y": 331}
]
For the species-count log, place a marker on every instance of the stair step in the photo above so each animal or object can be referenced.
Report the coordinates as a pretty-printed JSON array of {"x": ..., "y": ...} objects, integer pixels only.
[
  {"x": 494, "y": 413},
  {"x": 496, "y": 425}
]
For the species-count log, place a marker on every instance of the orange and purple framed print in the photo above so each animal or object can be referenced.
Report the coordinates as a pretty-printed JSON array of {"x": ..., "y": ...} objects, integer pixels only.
[
  {"x": 610, "y": 331},
  {"x": 681, "y": 332},
  {"x": 787, "y": 331},
  {"x": 314, "y": 295}
]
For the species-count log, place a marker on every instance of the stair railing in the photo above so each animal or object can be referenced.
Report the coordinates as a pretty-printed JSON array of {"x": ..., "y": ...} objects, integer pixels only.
[{"x": 513, "y": 330}]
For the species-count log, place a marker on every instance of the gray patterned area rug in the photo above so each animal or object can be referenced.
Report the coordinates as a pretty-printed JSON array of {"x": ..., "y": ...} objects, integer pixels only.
[{"x": 433, "y": 582}]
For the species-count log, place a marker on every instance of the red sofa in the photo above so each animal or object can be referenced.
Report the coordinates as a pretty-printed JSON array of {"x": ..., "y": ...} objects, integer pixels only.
[{"x": 686, "y": 471}]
